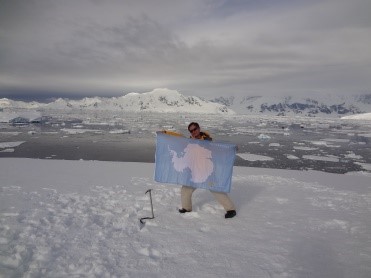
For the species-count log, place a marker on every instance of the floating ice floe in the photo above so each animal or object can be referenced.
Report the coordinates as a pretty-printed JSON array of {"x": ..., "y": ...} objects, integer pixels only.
[
  {"x": 4, "y": 145},
  {"x": 338, "y": 140},
  {"x": 80, "y": 131},
  {"x": 365, "y": 166},
  {"x": 264, "y": 137},
  {"x": 120, "y": 131},
  {"x": 274, "y": 145},
  {"x": 77, "y": 126},
  {"x": 305, "y": 148},
  {"x": 254, "y": 157},
  {"x": 319, "y": 143},
  {"x": 352, "y": 155},
  {"x": 368, "y": 135},
  {"x": 290, "y": 156},
  {"x": 324, "y": 144},
  {"x": 321, "y": 158},
  {"x": 7, "y": 151},
  {"x": 13, "y": 133}
]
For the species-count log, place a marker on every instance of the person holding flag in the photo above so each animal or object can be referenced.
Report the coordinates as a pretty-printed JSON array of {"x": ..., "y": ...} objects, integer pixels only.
[{"x": 187, "y": 191}]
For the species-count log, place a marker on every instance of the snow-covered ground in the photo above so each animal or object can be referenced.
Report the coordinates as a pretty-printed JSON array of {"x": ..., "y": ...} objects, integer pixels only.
[{"x": 80, "y": 219}]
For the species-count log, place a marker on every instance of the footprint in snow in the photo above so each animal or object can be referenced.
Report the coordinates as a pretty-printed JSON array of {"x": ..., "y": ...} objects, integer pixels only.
[
  {"x": 149, "y": 252},
  {"x": 205, "y": 229},
  {"x": 210, "y": 208},
  {"x": 191, "y": 214}
]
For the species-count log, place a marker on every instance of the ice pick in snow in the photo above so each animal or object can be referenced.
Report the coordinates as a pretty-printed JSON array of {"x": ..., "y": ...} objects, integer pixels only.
[{"x": 153, "y": 216}]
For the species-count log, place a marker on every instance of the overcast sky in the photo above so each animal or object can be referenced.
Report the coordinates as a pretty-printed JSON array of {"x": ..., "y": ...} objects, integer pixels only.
[{"x": 198, "y": 47}]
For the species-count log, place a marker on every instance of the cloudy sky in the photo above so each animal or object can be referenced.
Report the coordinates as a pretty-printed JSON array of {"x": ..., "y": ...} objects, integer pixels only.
[{"x": 198, "y": 47}]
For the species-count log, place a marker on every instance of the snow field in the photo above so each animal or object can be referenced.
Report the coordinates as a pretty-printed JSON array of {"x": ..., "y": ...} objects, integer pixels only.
[{"x": 81, "y": 218}]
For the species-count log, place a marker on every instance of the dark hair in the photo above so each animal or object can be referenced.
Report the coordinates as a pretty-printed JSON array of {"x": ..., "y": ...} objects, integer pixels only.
[{"x": 195, "y": 124}]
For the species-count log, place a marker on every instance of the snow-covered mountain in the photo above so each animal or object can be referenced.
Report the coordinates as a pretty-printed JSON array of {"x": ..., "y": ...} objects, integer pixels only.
[
  {"x": 171, "y": 101},
  {"x": 158, "y": 100},
  {"x": 314, "y": 105}
]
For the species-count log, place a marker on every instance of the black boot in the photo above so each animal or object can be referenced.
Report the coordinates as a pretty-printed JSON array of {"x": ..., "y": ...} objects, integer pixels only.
[
  {"x": 183, "y": 210},
  {"x": 230, "y": 214}
]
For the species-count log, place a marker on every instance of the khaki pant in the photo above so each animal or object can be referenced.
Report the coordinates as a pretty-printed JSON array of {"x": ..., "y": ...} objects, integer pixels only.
[{"x": 186, "y": 197}]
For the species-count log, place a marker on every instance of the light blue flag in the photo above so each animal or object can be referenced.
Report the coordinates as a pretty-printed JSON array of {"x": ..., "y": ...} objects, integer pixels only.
[{"x": 195, "y": 163}]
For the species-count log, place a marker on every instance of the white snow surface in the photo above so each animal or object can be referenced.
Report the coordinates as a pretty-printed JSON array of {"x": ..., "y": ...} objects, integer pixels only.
[{"x": 81, "y": 219}]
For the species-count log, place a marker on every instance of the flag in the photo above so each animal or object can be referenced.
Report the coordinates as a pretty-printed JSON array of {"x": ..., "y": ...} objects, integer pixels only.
[{"x": 196, "y": 163}]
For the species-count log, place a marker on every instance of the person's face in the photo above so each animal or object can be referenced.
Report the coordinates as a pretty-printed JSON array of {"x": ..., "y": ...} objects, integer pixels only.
[{"x": 194, "y": 130}]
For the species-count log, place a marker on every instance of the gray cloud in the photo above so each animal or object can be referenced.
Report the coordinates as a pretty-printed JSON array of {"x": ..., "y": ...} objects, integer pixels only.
[{"x": 198, "y": 47}]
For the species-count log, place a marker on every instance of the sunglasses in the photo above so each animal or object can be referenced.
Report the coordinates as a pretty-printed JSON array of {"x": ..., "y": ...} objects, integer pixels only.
[{"x": 192, "y": 130}]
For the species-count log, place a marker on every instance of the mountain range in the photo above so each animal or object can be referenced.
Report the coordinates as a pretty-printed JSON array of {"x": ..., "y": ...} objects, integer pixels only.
[
  {"x": 313, "y": 106},
  {"x": 171, "y": 101},
  {"x": 158, "y": 100}
]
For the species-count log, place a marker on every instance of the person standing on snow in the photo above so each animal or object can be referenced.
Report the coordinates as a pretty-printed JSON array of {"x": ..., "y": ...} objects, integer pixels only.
[{"x": 187, "y": 191}]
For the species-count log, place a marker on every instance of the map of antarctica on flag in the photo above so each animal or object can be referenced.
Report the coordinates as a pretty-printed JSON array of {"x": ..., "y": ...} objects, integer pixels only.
[{"x": 195, "y": 163}]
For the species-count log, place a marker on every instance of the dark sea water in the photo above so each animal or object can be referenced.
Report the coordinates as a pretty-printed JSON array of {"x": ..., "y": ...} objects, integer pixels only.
[{"x": 330, "y": 146}]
